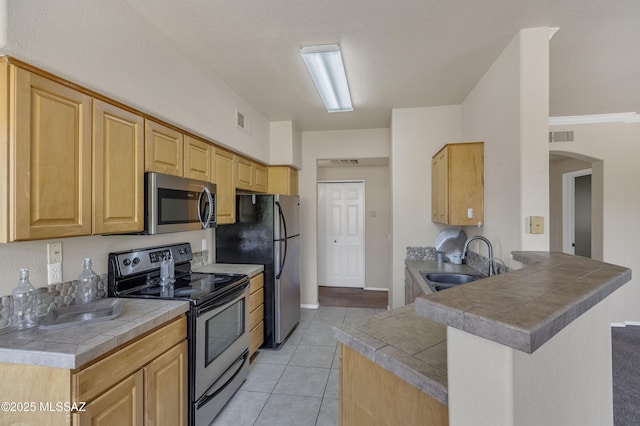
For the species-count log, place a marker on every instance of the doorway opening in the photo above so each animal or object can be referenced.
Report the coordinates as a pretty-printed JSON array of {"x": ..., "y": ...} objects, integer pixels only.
[
  {"x": 576, "y": 212},
  {"x": 576, "y": 204}
]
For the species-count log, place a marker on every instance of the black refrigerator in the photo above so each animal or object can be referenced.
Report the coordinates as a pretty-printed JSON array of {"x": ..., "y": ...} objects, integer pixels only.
[{"x": 267, "y": 232}]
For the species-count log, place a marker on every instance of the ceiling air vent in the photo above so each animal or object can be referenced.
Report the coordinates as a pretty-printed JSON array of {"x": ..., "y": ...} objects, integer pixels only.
[
  {"x": 344, "y": 162},
  {"x": 566, "y": 136}
]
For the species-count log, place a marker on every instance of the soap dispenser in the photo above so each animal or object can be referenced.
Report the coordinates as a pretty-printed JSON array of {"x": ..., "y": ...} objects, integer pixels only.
[
  {"x": 25, "y": 302},
  {"x": 88, "y": 283}
]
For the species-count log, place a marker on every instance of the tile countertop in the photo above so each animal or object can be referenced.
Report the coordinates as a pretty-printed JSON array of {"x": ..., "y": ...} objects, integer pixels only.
[
  {"x": 405, "y": 344},
  {"x": 227, "y": 268},
  {"x": 523, "y": 309},
  {"x": 73, "y": 347}
]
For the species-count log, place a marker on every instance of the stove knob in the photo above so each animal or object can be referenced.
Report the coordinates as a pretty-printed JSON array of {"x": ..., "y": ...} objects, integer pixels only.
[
  {"x": 136, "y": 260},
  {"x": 126, "y": 262},
  {"x": 181, "y": 251}
]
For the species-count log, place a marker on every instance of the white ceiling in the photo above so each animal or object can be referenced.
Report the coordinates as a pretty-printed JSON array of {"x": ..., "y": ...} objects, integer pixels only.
[{"x": 402, "y": 53}]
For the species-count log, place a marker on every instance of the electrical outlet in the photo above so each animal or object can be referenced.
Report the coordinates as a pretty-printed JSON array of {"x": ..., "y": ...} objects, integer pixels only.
[
  {"x": 54, "y": 273},
  {"x": 54, "y": 253}
]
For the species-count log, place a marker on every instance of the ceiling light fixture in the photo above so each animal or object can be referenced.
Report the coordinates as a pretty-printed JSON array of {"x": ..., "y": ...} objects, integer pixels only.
[{"x": 327, "y": 71}]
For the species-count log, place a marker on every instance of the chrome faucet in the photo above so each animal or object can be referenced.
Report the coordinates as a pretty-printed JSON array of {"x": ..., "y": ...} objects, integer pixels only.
[{"x": 480, "y": 237}]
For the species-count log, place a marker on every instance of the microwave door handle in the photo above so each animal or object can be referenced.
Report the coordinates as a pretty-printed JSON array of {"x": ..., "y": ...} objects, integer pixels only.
[{"x": 209, "y": 203}]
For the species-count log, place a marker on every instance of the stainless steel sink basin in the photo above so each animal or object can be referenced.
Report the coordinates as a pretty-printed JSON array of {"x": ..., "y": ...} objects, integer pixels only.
[
  {"x": 445, "y": 280},
  {"x": 71, "y": 316}
]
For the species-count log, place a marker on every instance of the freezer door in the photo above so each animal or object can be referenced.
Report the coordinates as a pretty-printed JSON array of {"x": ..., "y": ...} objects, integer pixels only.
[{"x": 287, "y": 287}]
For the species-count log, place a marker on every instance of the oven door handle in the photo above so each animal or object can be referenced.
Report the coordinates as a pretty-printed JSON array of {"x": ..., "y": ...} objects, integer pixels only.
[
  {"x": 206, "y": 209},
  {"x": 229, "y": 297},
  {"x": 228, "y": 376}
]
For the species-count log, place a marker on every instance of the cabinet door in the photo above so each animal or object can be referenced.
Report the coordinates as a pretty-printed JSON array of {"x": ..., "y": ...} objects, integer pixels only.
[
  {"x": 198, "y": 159},
  {"x": 163, "y": 149},
  {"x": 118, "y": 170},
  {"x": 440, "y": 187},
  {"x": 260, "y": 178},
  {"x": 52, "y": 159},
  {"x": 166, "y": 391},
  {"x": 244, "y": 174},
  {"x": 120, "y": 405},
  {"x": 283, "y": 180},
  {"x": 225, "y": 187}
]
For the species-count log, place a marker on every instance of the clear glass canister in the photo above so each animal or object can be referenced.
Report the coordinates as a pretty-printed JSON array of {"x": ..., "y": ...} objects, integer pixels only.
[
  {"x": 25, "y": 302},
  {"x": 87, "y": 283}
]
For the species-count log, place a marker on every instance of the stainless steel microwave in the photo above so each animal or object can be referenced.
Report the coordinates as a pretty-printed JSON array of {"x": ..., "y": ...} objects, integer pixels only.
[{"x": 175, "y": 204}]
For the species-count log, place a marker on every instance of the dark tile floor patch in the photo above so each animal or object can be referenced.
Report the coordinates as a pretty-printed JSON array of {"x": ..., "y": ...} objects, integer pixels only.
[{"x": 352, "y": 297}]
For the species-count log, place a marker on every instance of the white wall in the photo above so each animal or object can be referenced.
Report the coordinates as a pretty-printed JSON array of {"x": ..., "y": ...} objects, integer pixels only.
[
  {"x": 370, "y": 143},
  {"x": 285, "y": 142},
  {"x": 416, "y": 135},
  {"x": 508, "y": 110},
  {"x": 377, "y": 229},
  {"x": 618, "y": 146},
  {"x": 109, "y": 47}
]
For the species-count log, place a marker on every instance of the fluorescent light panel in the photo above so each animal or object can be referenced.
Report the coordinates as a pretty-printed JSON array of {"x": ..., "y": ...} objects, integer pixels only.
[
  {"x": 327, "y": 71},
  {"x": 622, "y": 117}
]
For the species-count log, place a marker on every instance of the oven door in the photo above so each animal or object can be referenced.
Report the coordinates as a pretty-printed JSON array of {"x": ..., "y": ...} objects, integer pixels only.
[{"x": 221, "y": 337}]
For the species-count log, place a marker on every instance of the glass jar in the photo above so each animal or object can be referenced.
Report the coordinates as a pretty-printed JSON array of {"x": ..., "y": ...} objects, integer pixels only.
[
  {"x": 87, "y": 284},
  {"x": 25, "y": 302}
]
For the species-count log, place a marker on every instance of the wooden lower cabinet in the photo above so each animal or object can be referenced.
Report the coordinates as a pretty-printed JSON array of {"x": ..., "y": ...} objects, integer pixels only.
[
  {"x": 143, "y": 382},
  {"x": 120, "y": 405},
  {"x": 371, "y": 395},
  {"x": 256, "y": 313}
]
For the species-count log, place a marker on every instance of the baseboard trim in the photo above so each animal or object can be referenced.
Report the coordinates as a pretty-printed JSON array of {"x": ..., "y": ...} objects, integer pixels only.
[
  {"x": 376, "y": 289},
  {"x": 306, "y": 306}
]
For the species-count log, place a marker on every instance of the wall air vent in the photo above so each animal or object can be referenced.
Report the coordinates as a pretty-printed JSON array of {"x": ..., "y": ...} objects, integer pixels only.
[
  {"x": 242, "y": 122},
  {"x": 344, "y": 162},
  {"x": 566, "y": 136}
]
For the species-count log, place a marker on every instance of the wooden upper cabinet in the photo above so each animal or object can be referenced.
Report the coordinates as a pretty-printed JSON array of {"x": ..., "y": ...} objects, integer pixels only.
[
  {"x": 118, "y": 170},
  {"x": 163, "y": 149},
  {"x": 283, "y": 180},
  {"x": 251, "y": 176},
  {"x": 244, "y": 174},
  {"x": 260, "y": 178},
  {"x": 225, "y": 179},
  {"x": 51, "y": 168},
  {"x": 457, "y": 184},
  {"x": 199, "y": 159}
]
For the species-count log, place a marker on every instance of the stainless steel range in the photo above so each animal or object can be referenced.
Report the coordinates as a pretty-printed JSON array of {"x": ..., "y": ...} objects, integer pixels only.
[{"x": 218, "y": 320}]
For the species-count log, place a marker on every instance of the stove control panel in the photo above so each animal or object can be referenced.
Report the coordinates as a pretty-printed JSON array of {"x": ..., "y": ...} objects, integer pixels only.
[{"x": 138, "y": 261}]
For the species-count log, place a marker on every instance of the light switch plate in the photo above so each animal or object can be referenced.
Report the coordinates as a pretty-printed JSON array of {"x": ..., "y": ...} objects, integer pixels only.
[
  {"x": 536, "y": 224},
  {"x": 54, "y": 253}
]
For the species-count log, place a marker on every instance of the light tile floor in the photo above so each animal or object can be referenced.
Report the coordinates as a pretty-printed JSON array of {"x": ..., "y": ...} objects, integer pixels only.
[{"x": 296, "y": 384}]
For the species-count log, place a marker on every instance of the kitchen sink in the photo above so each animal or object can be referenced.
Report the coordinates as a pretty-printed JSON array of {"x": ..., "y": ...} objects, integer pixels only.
[
  {"x": 75, "y": 315},
  {"x": 446, "y": 280}
]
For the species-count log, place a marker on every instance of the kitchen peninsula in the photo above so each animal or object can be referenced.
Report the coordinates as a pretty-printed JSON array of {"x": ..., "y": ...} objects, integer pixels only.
[{"x": 532, "y": 346}]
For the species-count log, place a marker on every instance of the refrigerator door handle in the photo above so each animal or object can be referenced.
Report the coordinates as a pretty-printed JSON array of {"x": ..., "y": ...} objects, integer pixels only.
[{"x": 284, "y": 225}]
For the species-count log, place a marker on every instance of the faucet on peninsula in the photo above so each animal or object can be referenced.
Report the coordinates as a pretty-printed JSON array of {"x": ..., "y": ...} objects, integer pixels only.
[{"x": 480, "y": 237}]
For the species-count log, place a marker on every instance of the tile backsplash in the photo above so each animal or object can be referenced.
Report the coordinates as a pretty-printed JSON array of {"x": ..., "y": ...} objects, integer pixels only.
[{"x": 65, "y": 293}]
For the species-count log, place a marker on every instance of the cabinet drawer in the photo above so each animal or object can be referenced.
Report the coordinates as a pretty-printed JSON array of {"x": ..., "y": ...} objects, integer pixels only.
[
  {"x": 256, "y": 337},
  {"x": 256, "y": 299},
  {"x": 102, "y": 375},
  {"x": 256, "y": 316},
  {"x": 257, "y": 282}
]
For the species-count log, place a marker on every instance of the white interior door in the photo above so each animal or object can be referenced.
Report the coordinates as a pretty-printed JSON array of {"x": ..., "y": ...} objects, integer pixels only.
[{"x": 343, "y": 239}]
